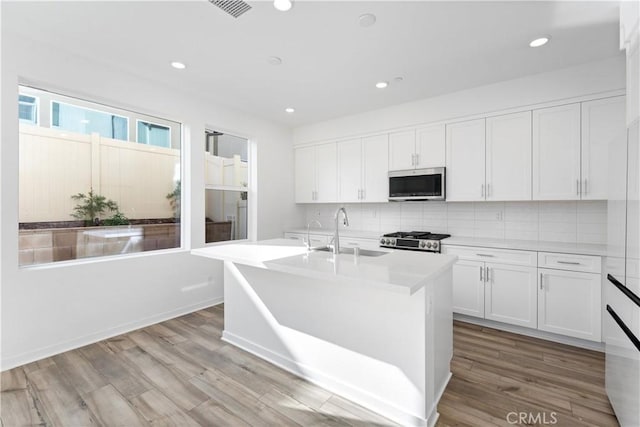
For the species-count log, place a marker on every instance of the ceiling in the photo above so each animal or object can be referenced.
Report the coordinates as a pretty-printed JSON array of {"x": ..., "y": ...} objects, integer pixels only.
[{"x": 330, "y": 64}]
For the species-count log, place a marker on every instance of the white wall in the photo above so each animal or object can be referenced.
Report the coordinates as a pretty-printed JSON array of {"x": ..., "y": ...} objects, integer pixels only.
[
  {"x": 587, "y": 79},
  {"x": 46, "y": 310}
]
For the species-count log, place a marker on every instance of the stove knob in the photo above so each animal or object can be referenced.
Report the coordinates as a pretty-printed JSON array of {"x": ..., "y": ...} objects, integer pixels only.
[
  {"x": 428, "y": 244},
  {"x": 393, "y": 242},
  {"x": 435, "y": 245},
  {"x": 382, "y": 241},
  {"x": 388, "y": 241},
  {"x": 422, "y": 244}
]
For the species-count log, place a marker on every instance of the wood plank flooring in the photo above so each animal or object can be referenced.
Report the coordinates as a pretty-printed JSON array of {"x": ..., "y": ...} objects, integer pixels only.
[{"x": 179, "y": 373}]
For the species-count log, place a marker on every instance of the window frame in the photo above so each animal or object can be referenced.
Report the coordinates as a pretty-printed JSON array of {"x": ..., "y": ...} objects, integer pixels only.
[
  {"x": 52, "y": 126},
  {"x": 155, "y": 124},
  {"x": 37, "y": 105}
]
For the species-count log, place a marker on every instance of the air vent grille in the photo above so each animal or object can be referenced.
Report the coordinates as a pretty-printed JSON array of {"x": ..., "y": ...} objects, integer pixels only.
[{"x": 234, "y": 8}]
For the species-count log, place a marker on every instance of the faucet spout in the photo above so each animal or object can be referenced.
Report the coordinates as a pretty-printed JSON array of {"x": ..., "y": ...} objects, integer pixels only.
[{"x": 336, "y": 236}]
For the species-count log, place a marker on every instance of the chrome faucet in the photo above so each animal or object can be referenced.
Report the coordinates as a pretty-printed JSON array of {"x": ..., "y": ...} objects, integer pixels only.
[
  {"x": 336, "y": 236},
  {"x": 315, "y": 221}
]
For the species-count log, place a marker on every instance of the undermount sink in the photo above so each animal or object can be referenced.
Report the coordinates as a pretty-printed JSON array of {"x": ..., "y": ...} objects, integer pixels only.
[{"x": 350, "y": 251}]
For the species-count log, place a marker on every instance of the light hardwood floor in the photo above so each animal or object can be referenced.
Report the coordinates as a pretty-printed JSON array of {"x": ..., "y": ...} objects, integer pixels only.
[{"x": 179, "y": 373}]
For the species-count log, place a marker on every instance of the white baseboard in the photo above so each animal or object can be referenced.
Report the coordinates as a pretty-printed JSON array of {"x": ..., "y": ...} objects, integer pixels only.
[
  {"x": 52, "y": 350},
  {"x": 332, "y": 384},
  {"x": 575, "y": 342},
  {"x": 433, "y": 418}
]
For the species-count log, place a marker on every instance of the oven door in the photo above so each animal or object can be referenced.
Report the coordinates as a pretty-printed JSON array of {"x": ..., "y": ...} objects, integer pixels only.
[{"x": 418, "y": 184}]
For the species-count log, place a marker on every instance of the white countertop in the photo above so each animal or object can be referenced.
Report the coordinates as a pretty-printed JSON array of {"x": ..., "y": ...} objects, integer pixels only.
[
  {"x": 524, "y": 245},
  {"x": 397, "y": 271},
  {"x": 529, "y": 245}
]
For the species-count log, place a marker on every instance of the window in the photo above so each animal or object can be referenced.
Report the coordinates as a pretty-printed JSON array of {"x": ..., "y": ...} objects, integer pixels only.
[
  {"x": 154, "y": 134},
  {"x": 28, "y": 109},
  {"x": 83, "y": 197},
  {"x": 87, "y": 121},
  {"x": 227, "y": 188}
]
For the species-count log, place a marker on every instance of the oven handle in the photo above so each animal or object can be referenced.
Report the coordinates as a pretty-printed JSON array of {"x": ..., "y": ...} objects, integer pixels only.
[
  {"x": 625, "y": 329},
  {"x": 633, "y": 297}
]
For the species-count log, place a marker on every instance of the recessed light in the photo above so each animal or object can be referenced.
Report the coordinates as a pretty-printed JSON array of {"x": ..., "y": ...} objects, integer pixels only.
[
  {"x": 367, "y": 19},
  {"x": 398, "y": 79},
  {"x": 274, "y": 60},
  {"x": 382, "y": 85},
  {"x": 178, "y": 65},
  {"x": 282, "y": 5},
  {"x": 539, "y": 41},
  {"x": 290, "y": 110}
]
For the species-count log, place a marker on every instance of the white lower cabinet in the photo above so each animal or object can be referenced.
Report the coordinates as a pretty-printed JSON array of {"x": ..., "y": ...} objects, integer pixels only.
[
  {"x": 468, "y": 288},
  {"x": 510, "y": 294},
  {"x": 569, "y": 303},
  {"x": 503, "y": 289}
]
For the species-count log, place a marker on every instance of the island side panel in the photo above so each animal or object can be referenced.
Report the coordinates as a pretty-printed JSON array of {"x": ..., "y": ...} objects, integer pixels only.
[
  {"x": 367, "y": 345},
  {"x": 439, "y": 338}
]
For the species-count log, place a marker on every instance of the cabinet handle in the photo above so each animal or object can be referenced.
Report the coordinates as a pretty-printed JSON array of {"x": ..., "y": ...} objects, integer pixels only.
[
  {"x": 569, "y": 262},
  {"x": 482, "y": 190},
  {"x": 359, "y": 194},
  {"x": 486, "y": 255},
  {"x": 541, "y": 275},
  {"x": 417, "y": 159},
  {"x": 364, "y": 194},
  {"x": 577, "y": 187},
  {"x": 585, "y": 187},
  {"x": 413, "y": 159},
  {"x": 488, "y": 190},
  {"x": 487, "y": 275},
  {"x": 481, "y": 273}
]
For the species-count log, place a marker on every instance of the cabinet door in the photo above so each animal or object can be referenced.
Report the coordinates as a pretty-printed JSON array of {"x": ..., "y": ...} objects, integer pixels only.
[
  {"x": 511, "y": 295},
  {"x": 349, "y": 170},
  {"x": 305, "y": 174},
  {"x": 326, "y": 173},
  {"x": 430, "y": 147},
  {"x": 375, "y": 164},
  {"x": 556, "y": 153},
  {"x": 466, "y": 161},
  {"x": 569, "y": 303},
  {"x": 402, "y": 150},
  {"x": 508, "y": 173},
  {"x": 468, "y": 288},
  {"x": 602, "y": 125}
]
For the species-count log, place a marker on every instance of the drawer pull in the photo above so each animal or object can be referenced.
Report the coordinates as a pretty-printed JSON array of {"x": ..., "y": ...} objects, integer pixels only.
[
  {"x": 485, "y": 255},
  {"x": 569, "y": 262}
]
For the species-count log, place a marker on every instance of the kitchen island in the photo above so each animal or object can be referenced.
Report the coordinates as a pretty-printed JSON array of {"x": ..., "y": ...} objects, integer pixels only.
[{"x": 374, "y": 329}]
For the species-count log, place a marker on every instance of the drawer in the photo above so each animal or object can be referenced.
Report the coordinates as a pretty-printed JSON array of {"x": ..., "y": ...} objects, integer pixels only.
[
  {"x": 349, "y": 242},
  {"x": 571, "y": 262},
  {"x": 500, "y": 256},
  {"x": 316, "y": 239}
]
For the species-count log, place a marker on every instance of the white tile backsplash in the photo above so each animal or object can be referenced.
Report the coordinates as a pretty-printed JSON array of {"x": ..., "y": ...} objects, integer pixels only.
[{"x": 556, "y": 221}]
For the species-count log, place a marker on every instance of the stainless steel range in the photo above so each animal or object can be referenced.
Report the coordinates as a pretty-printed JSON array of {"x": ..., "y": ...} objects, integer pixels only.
[{"x": 413, "y": 240}]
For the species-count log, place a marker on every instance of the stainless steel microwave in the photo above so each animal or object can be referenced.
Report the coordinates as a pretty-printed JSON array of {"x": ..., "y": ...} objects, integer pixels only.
[{"x": 417, "y": 184}]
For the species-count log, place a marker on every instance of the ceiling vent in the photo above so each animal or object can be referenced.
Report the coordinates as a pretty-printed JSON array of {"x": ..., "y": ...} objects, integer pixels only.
[{"x": 234, "y": 8}]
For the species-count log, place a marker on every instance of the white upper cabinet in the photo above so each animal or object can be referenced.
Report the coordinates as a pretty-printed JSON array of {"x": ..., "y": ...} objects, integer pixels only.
[
  {"x": 316, "y": 174},
  {"x": 417, "y": 149},
  {"x": 402, "y": 150},
  {"x": 363, "y": 169},
  {"x": 465, "y": 161},
  {"x": 508, "y": 151},
  {"x": 603, "y": 124},
  {"x": 556, "y": 153},
  {"x": 349, "y": 170},
  {"x": 430, "y": 147},
  {"x": 375, "y": 168},
  {"x": 305, "y": 174}
]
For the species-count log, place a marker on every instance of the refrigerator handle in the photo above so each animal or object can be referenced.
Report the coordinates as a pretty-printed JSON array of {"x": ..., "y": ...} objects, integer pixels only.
[
  {"x": 633, "y": 297},
  {"x": 625, "y": 329}
]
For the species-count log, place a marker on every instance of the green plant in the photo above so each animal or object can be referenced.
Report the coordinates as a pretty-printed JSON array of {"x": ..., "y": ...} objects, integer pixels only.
[
  {"x": 92, "y": 206},
  {"x": 117, "y": 218},
  {"x": 174, "y": 199}
]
